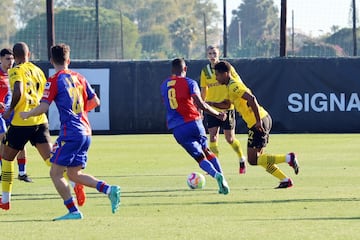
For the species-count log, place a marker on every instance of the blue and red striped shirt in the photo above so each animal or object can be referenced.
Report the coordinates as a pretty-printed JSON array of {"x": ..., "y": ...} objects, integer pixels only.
[
  {"x": 70, "y": 92},
  {"x": 177, "y": 92}
]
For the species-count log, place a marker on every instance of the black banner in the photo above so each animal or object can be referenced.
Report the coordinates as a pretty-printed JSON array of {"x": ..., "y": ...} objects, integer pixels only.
[{"x": 303, "y": 95}]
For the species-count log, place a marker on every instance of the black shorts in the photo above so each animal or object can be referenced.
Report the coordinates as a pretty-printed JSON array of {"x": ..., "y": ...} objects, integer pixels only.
[
  {"x": 257, "y": 139},
  {"x": 228, "y": 124},
  {"x": 17, "y": 136}
]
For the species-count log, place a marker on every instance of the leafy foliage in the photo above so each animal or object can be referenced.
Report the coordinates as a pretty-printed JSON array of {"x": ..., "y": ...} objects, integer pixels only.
[
  {"x": 157, "y": 29},
  {"x": 7, "y": 22},
  {"x": 254, "y": 29},
  {"x": 81, "y": 34}
]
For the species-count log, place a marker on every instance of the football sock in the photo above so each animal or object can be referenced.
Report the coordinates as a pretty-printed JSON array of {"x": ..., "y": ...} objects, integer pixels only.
[
  {"x": 215, "y": 162},
  {"x": 22, "y": 166},
  {"x": 70, "y": 204},
  {"x": 208, "y": 167},
  {"x": 214, "y": 147},
  {"x": 265, "y": 159},
  {"x": 102, "y": 187},
  {"x": 274, "y": 170},
  {"x": 236, "y": 146},
  {"x": 7, "y": 179}
]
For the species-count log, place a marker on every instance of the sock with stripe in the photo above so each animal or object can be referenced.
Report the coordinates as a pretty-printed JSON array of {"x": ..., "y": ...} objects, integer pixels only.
[
  {"x": 7, "y": 179},
  {"x": 70, "y": 205},
  {"x": 102, "y": 187},
  {"x": 274, "y": 170},
  {"x": 208, "y": 167},
  {"x": 22, "y": 166},
  {"x": 214, "y": 161}
]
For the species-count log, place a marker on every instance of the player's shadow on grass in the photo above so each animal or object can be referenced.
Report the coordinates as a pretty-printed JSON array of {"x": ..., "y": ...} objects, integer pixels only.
[{"x": 25, "y": 221}]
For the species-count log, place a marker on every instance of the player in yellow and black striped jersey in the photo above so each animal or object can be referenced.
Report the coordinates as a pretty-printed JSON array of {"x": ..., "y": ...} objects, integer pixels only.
[
  {"x": 27, "y": 83},
  {"x": 259, "y": 123},
  {"x": 213, "y": 92}
]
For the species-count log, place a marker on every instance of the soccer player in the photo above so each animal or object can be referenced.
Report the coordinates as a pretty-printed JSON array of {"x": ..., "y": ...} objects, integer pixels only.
[
  {"x": 181, "y": 96},
  {"x": 7, "y": 61},
  {"x": 213, "y": 92},
  {"x": 27, "y": 83},
  {"x": 74, "y": 98},
  {"x": 259, "y": 123}
]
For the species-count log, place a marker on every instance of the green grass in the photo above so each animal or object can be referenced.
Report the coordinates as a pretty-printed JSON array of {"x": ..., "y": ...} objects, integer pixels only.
[{"x": 157, "y": 204}]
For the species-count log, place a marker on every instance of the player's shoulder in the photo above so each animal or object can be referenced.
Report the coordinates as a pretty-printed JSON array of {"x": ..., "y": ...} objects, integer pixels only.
[
  {"x": 207, "y": 71},
  {"x": 190, "y": 80},
  {"x": 233, "y": 83},
  {"x": 35, "y": 69},
  {"x": 74, "y": 73},
  {"x": 14, "y": 72},
  {"x": 14, "y": 69}
]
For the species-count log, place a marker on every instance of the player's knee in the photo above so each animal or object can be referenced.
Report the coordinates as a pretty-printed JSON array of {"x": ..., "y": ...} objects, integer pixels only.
[{"x": 229, "y": 140}]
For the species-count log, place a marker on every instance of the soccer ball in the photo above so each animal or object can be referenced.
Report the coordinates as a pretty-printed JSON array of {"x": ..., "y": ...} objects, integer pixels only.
[{"x": 196, "y": 180}]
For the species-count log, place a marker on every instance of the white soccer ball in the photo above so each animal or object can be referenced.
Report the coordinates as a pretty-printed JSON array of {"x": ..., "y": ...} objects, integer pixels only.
[{"x": 196, "y": 180}]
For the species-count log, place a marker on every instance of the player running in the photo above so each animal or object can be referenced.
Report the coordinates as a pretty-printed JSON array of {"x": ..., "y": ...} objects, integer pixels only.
[
  {"x": 182, "y": 99},
  {"x": 74, "y": 98},
  {"x": 259, "y": 122}
]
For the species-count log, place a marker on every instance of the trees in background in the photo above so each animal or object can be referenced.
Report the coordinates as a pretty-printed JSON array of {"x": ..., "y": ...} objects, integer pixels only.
[
  {"x": 7, "y": 23},
  {"x": 161, "y": 29},
  {"x": 131, "y": 29},
  {"x": 254, "y": 32},
  {"x": 254, "y": 29}
]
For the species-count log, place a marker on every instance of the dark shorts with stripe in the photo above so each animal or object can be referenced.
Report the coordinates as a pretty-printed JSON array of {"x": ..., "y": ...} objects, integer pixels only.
[
  {"x": 17, "y": 136},
  {"x": 228, "y": 124},
  {"x": 257, "y": 139}
]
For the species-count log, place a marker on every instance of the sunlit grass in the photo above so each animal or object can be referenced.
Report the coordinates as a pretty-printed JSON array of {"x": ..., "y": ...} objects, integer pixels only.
[{"x": 157, "y": 204}]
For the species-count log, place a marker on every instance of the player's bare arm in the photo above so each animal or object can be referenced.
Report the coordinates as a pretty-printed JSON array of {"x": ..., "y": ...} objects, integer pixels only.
[
  {"x": 253, "y": 104},
  {"x": 204, "y": 92},
  {"x": 222, "y": 105},
  {"x": 2, "y": 107},
  {"x": 16, "y": 95},
  {"x": 42, "y": 108},
  {"x": 207, "y": 108},
  {"x": 92, "y": 103}
]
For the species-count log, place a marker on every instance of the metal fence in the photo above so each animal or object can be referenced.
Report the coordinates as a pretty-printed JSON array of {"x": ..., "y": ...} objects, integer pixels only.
[{"x": 253, "y": 30}]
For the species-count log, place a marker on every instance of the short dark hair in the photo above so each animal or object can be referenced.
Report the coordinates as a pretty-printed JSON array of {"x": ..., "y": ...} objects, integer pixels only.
[
  {"x": 210, "y": 47},
  {"x": 20, "y": 50},
  {"x": 178, "y": 64},
  {"x": 6, "y": 51},
  {"x": 60, "y": 53},
  {"x": 222, "y": 67}
]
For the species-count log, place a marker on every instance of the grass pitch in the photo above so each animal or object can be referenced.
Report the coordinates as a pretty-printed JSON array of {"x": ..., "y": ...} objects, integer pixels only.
[{"x": 157, "y": 204}]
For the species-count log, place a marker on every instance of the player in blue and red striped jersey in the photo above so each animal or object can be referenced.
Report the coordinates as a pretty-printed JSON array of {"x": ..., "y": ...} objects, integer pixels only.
[
  {"x": 74, "y": 98},
  {"x": 181, "y": 96}
]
